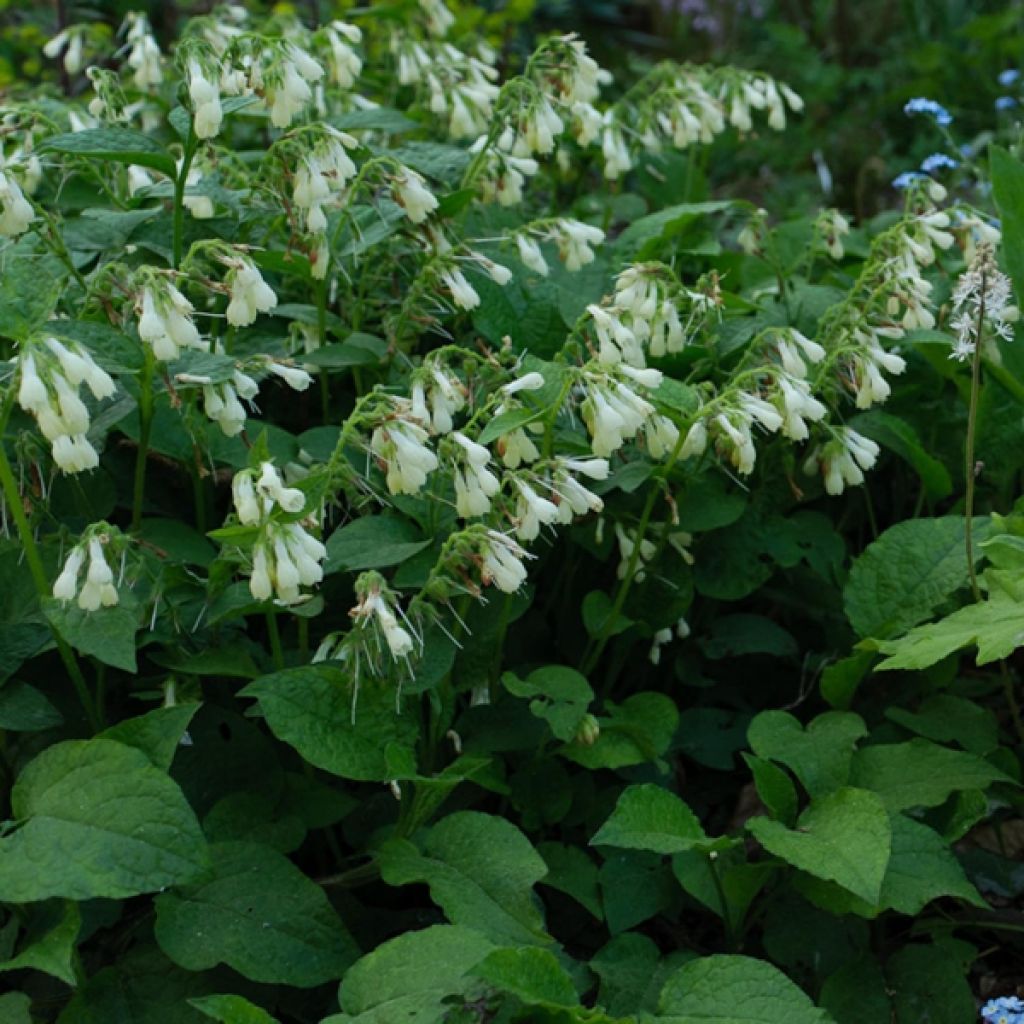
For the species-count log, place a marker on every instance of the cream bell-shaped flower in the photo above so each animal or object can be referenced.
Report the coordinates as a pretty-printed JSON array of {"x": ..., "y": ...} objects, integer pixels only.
[{"x": 250, "y": 294}]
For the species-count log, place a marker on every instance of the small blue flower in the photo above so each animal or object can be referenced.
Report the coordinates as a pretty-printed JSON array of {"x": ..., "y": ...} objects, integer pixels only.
[
  {"x": 922, "y": 105},
  {"x": 906, "y": 179},
  {"x": 938, "y": 162},
  {"x": 1004, "y": 1010},
  {"x": 1008, "y": 77},
  {"x": 1005, "y": 103}
]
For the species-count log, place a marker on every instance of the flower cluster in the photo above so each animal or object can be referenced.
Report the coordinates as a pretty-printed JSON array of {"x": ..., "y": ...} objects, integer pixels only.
[
  {"x": 930, "y": 108},
  {"x": 1004, "y": 1010},
  {"x": 51, "y": 374},
  {"x": 99, "y": 588},
  {"x": 143, "y": 51},
  {"x": 16, "y": 213},
  {"x": 285, "y": 555},
  {"x": 165, "y": 318},
  {"x": 981, "y": 304}
]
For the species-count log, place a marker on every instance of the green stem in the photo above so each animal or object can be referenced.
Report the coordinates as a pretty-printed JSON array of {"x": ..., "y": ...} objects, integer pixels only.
[
  {"x": 969, "y": 468},
  {"x": 275, "y": 639},
  {"x": 145, "y": 429},
  {"x": 35, "y": 565},
  {"x": 595, "y": 650},
  {"x": 191, "y": 142},
  {"x": 730, "y": 928}
]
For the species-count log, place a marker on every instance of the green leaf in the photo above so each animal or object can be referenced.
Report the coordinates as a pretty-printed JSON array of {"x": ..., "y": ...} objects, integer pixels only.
[
  {"x": 122, "y": 145},
  {"x": 928, "y": 984},
  {"x": 177, "y": 542},
  {"x": 635, "y": 886},
  {"x": 572, "y": 872},
  {"x": 944, "y": 718},
  {"x": 24, "y": 709},
  {"x": 561, "y": 697},
  {"x": 844, "y": 837},
  {"x": 819, "y": 756},
  {"x": 639, "y": 729},
  {"x": 107, "y": 633},
  {"x": 995, "y": 626},
  {"x": 644, "y": 238},
  {"x": 156, "y": 733},
  {"x": 15, "y": 1008},
  {"x": 97, "y": 820},
  {"x": 481, "y": 871},
  {"x": 902, "y": 577},
  {"x": 632, "y": 973},
  {"x": 232, "y": 1010},
  {"x": 922, "y": 868},
  {"x": 378, "y": 119},
  {"x": 406, "y": 978},
  {"x": 314, "y": 709},
  {"x": 774, "y": 787},
  {"x": 729, "y": 876},
  {"x": 30, "y": 286},
  {"x": 373, "y": 542},
  {"x": 856, "y": 994},
  {"x": 900, "y": 437},
  {"x": 356, "y": 350},
  {"x": 919, "y": 773},
  {"x": 735, "y": 990},
  {"x": 530, "y": 974},
  {"x": 647, "y": 817},
  {"x": 54, "y": 952},
  {"x": 734, "y": 635},
  {"x": 260, "y": 915},
  {"x": 507, "y": 422},
  {"x": 1008, "y": 192}
]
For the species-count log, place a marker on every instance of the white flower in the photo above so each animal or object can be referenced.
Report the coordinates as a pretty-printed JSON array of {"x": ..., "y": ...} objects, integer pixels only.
[
  {"x": 65, "y": 587},
  {"x": 32, "y": 393},
  {"x": 16, "y": 213},
  {"x": 464, "y": 294},
  {"x": 270, "y": 484},
  {"x": 531, "y": 256},
  {"x": 165, "y": 321},
  {"x": 412, "y": 194},
  {"x": 345, "y": 63},
  {"x": 99, "y": 586},
  {"x": 79, "y": 367},
  {"x": 661, "y": 434},
  {"x": 205, "y": 96},
  {"x": 503, "y": 563},
  {"x": 532, "y": 512},
  {"x": 295, "y": 377},
  {"x": 696, "y": 440},
  {"x": 250, "y": 294},
  {"x": 531, "y": 381},
  {"x": 741, "y": 450},
  {"x": 401, "y": 445}
]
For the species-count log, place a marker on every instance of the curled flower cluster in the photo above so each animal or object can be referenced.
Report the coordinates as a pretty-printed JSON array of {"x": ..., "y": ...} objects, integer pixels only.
[
  {"x": 51, "y": 374},
  {"x": 1004, "y": 1010}
]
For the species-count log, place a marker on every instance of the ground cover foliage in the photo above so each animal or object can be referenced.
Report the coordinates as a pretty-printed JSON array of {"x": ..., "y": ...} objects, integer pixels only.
[{"x": 465, "y": 561}]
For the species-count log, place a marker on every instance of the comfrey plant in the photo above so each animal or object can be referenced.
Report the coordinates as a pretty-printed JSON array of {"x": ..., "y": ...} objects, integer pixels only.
[{"x": 375, "y": 435}]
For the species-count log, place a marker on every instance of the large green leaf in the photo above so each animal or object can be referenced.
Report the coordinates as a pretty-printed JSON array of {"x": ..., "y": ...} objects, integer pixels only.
[
  {"x": 97, "y": 819},
  {"x": 156, "y": 733},
  {"x": 648, "y": 817},
  {"x": 407, "y": 977},
  {"x": 735, "y": 990},
  {"x": 122, "y": 145},
  {"x": 995, "y": 626},
  {"x": 315, "y": 710},
  {"x": 107, "y": 633},
  {"x": 844, "y": 837},
  {"x": 819, "y": 755},
  {"x": 907, "y": 573},
  {"x": 919, "y": 773},
  {"x": 637, "y": 730},
  {"x": 373, "y": 542},
  {"x": 481, "y": 871},
  {"x": 257, "y": 913}
]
